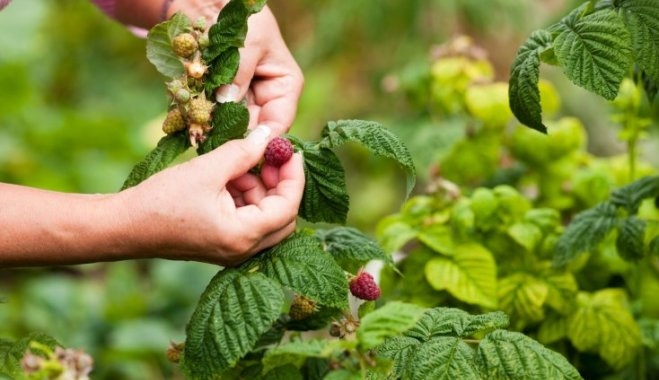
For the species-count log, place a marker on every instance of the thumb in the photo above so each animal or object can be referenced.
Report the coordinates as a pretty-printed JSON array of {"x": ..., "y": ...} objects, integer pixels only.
[{"x": 238, "y": 156}]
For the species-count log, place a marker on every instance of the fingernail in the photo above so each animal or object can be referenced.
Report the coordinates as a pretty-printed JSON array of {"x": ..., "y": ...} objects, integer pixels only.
[
  {"x": 227, "y": 93},
  {"x": 259, "y": 135}
]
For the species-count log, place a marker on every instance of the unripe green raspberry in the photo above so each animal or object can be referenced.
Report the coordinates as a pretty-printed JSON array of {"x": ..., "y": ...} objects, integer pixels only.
[
  {"x": 200, "y": 24},
  {"x": 182, "y": 95},
  {"x": 203, "y": 41},
  {"x": 199, "y": 110},
  {"x": 301, "y": 308},
  {"x": 184, "y": 45},
  {"x": 175, "y": 85},
  {"x": 173, "y": 122}
]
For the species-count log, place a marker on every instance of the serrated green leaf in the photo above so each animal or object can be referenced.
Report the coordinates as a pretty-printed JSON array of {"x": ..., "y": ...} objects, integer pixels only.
[
  {"x": 320, "y": 319},
  {"x": 438, "y": 237},
  {"x": 230, "y": 29},
  {"x": 325, "y": 197},
  {"x": 301, "y": 264},
  {"x": 469, "y": 275},
  {"x": 159, "y": 45},
  {"x": 603, "y": 324},
  {"x": 523, "y": 92},
  {"x": 585, "y": 232},
  {"x": 512, "y": 355},
  {"x": 222, "y": 70},
  {"x": 393, "y": 232},
  {"x": 563, "y": 289},
  {"x": 631, "y": 196},
  {"x": 229, "y": 122},
  {"x": 629, "y": 241},
  {"x": 594, "y": 50},
  {"x": 373, "y": 136},
  {"x": 351, "y": 248},
  {"x": 389, "y": 320},
  {"x": 11, "y": 353},
  {"x": 442, "y": 358},
  {"x": 442, "y": 321},
  {"x": 297, "y": 352},
  {"x": 168, "y": 148},
  {"x": 399, "y": 350},
  {"x": 642, "y": 19},
  {"x": 523, "y": 297},
  {"x": 233, "y": 312}
]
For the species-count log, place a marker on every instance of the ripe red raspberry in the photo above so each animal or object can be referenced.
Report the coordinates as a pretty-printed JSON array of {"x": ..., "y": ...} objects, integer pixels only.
[
  {"x": 278, "y": 151},
  {"x": 301, "y": 308},
  {"x": 363, "y": 286}
]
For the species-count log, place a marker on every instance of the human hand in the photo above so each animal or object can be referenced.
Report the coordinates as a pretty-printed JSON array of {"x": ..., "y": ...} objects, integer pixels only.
[
  {"x": 268, "y": 76},
  {"x": 212, "y": 209}
]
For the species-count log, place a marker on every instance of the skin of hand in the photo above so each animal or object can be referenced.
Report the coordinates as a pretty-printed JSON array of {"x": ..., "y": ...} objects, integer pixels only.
[{"x": 198, "y": 210}]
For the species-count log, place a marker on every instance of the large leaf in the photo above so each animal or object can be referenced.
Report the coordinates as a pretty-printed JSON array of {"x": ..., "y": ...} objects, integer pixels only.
[
  {"x": 373, "y": 136},
  {"x": 387, "y": 321},
  {"x": 301, "y": 264},
  {"x": 603, "y": 324},
  {"x": 229, "y": 30},
  {"x": 585, "y": 232},
  {"x": 523, "y": 92},
  {"x": 399, "y": 350},
  {"x": 229, "y": 122},
  {"x": 159, "y": 45},
  {"x": 512, "y": 355},
  {"x": 351, "y": 248},
  {"x": 443, "y": 321},
  {"x": 631, "y": 196},
  {"x": 523, "y": 297},
  {"x": 443, "y": 358},
  {"x": 233, "y": 312},
  {"x": 642, "y": 19},
  {"x": 223, "y": 69},
  {"x": 594, "y": 50},
  {"x": 469, "y": 275},
  {"x": 168, "y": 148},
  {"x": 325, "y": 197}
]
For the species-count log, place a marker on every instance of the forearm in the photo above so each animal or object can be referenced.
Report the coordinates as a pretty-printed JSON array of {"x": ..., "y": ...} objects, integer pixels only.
[{"x": 42, "y": 227}]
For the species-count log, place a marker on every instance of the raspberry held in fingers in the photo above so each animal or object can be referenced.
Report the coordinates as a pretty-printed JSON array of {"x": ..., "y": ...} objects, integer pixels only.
[{"x": 278, "y": 151}]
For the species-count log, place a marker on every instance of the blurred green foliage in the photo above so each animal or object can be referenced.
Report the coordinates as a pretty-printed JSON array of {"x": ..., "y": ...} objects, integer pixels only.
[{"x": 80, "y": 105}]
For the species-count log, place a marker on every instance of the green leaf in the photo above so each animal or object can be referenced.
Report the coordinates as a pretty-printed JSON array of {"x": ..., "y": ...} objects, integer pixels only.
[
  {"x": 442, "y": 321},
  {"x": 297, "y": 352},
  {"x": 320, "y": 319},
  {"x": 642, "y": 19},
  {"x": 603, "y": 324},
  {"x": 159, "y": 45},
  {"x": 399, "y": 350},
  {"x": 389, "y": 320},
  {"x": 594, "y": 50},
  {"x": 443, "y": 358},
  {"x": 653, "y": 246},
  {"x": 233, "y": 312},
  {"x": 585, "y": 232},
  {"x": 229, "y": 30},
  {"x": 373, "y": 136},
  {"x": 325, "y": 197},
  {"x": 342, "y": 374},
  {"x": 526, "y": 234},
  {"x": 469, "y": 275},
  {"x": 223, "y": 69},
  {"x": 552, "y": 329},
  {"x": 629, "y": 241},
  {"x": 168, "y": 148},
  {"x": 523, "y": 92},
  {"x": 438, "y": 237},
  {"x": 523, "y": 296},
  {"x": 229, "y": 122},
  {"x": 631, "y": 196},
  {"x": 512, "y": 355},
  {"x": 351, "y": 248},
  {"x": 301, "y": 264},
  {"x": 11, "y": 353}
]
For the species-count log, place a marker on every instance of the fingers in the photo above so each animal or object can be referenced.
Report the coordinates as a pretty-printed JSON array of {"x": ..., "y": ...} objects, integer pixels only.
[{"x": 236, "y": 157}]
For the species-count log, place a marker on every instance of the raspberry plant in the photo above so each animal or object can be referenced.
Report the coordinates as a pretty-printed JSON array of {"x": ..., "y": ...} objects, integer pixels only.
[{"x": 238, "y": 327}]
